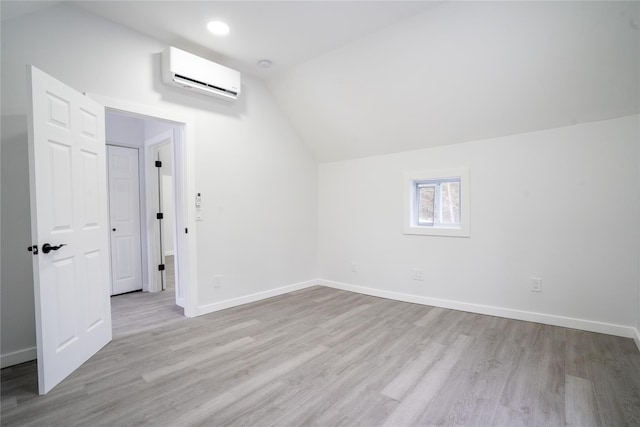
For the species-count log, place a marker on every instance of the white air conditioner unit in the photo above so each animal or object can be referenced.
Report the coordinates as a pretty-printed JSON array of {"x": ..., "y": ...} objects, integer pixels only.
[{"x": 183, "y": 69}]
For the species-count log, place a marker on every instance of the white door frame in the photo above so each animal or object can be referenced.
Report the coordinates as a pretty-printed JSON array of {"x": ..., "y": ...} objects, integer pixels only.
[
  {"x": 152, "y": 202},
  {"x": 184, "y": 176}
]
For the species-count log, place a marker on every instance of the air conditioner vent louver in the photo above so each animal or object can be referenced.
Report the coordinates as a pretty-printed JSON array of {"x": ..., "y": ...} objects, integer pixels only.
[
  {"x": 178, "y": 77},
  {"x": 182, "y": 69}
]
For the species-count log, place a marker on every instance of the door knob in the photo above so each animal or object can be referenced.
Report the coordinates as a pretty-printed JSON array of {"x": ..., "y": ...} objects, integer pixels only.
[{"x": 46, "y": 248}]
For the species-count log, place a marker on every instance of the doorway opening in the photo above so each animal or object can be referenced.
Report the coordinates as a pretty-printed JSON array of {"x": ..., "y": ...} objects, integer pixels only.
[
  {"x": 158, "y": 126},
  {"x": 160, "y": 147}
]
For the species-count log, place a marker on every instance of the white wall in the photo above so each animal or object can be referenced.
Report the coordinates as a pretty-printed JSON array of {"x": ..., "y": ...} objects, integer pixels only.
[
  {"x": 560, "y": 204},
  {"x": 256, "y": 243},
  {"x": 125, "y": 130},
  {"x": 154, "y": 128},
  {"x": 18, "y": 334}
]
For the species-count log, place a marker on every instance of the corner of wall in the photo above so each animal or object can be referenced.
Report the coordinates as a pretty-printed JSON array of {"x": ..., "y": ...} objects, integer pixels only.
[{"x": 234, "y": 302}]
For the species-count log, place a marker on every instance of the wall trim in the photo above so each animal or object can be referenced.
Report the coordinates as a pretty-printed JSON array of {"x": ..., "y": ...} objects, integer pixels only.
[
  {"x": 234, "y": 302},
  {"x": 17, "y": 357},
  {"x": 529, "y": 316}
]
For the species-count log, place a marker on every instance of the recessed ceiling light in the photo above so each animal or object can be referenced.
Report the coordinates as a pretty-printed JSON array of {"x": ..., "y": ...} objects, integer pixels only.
[
  {"x": 264, "y": 63},
  {"x": 218, "y": 28}
]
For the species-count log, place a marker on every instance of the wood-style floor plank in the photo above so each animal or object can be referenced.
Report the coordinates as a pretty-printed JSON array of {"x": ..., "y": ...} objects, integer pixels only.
[
  {"x": 580, "y": 403},
  {"x": 325, "y": 357}
]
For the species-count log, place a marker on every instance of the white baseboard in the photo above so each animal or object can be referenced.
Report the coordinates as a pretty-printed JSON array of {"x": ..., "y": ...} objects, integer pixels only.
[
  {"x": 636, "y": 337},
  {"x": 168, "y": 253},
  {"x": 17, "y": 357},
  {"x": 221, "y": 305},
  {"x": 548, "y": 319}
]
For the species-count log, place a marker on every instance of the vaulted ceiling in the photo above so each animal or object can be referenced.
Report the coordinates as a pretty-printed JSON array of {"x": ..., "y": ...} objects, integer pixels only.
[
  {"x": 373, "y": 77},
  {"x": 287, "y": 33},
  {"x": 466, "y": 71}
]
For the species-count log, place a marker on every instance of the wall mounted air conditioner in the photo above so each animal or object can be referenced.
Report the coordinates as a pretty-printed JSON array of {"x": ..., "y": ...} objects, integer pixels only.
[{"x": 183, "y": 69}]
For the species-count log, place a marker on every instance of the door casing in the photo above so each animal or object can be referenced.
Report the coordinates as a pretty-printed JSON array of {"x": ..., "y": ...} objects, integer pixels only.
[{"x": 184, "y": 195}]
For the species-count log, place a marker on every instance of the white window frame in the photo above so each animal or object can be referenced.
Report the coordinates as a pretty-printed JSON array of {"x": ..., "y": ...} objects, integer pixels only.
[{"x": 411, "y": 182}]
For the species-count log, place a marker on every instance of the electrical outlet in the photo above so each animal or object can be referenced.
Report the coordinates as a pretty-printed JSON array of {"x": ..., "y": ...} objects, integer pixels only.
[
  {"x": 536, "y": 284},
  {"x": 417, "y": 274},
  {"x": 217, "y": 281},
  {"x": 354, "y": 267}
]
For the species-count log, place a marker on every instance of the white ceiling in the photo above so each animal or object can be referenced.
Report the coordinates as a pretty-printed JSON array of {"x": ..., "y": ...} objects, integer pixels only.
[
  {"x": 286, "y": 32},
  {"x": 466, "y": 71},
  {"x": 13, "y": 9},
  {"x": 365, "y": 78}
]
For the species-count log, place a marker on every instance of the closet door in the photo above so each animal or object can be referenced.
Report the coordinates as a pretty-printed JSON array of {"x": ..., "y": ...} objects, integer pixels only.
[{"x": 124, "y": 215}]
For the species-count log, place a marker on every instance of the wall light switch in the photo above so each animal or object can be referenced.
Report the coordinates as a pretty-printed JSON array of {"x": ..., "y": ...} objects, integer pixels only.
[
  {"x": 198, "y": 207},
  {"x": 536, "y": 284}
]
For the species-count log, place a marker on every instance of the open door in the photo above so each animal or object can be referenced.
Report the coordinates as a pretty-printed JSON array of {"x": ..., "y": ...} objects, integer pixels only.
[{"x": 69, "y": 227}]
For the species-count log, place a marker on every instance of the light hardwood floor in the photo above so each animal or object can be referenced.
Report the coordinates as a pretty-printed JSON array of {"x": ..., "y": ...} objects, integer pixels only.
[
  {"x": 170, "y": 272},
  {"x": 325, "y": 357}
]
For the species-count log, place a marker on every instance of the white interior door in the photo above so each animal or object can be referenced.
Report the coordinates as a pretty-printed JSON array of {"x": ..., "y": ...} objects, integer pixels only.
[
  {"x": 68, "y": 207},
  {"x": 167, "y": 211},
  {"x": 124, "y": 215}
]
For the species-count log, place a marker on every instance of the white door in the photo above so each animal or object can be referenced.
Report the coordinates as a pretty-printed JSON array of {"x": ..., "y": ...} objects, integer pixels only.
[
  {"x": 68, "y": 207},
  {"x": 124, "y": 215}
]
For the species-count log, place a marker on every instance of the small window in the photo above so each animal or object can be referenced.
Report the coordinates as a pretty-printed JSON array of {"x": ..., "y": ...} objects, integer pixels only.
[{"x": 437, "y": 202}]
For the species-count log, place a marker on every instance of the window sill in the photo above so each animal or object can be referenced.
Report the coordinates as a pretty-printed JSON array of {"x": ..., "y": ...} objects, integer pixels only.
[{"x": 437, "y": 231}]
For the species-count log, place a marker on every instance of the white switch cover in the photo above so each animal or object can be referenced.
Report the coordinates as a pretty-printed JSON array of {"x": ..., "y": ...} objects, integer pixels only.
[
  {"x": 417, "y": 274},
  {"x": 536, "y": 284}
]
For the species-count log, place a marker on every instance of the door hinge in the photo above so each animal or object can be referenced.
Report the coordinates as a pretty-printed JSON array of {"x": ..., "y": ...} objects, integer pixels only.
[
  {"x": 161, "y": 267},
  {"x": 186, "y": 231},
  {"x": 158, "y": 164},
  {"x": 159, "y": 215}
]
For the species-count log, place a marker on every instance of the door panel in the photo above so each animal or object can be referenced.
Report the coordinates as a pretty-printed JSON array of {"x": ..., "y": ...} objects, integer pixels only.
[
  {"x": 60, "y": 181},
  {"x": 65, "y": 288},
  {"x": 90, "y": 184},
  {"x": 68, "y": 206},
  {"x": 124, "y": 208}
]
